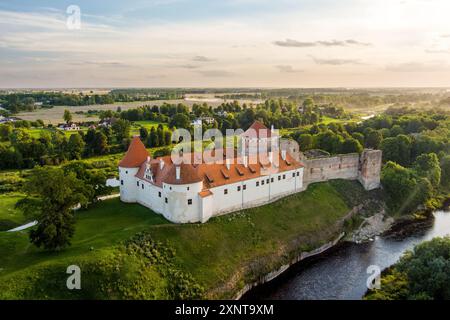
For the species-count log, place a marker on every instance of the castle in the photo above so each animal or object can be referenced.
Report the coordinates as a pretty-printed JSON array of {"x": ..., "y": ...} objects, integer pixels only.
[{"x": 195, "y": 191}]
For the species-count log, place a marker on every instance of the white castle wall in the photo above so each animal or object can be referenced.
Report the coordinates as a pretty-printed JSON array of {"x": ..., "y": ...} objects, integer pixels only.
[
  {"x": 365, "y": 168},
  {"x": 128, "y": 190}
]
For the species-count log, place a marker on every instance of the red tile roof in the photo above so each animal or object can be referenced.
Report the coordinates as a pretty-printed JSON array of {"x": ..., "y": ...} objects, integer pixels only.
[
  {"x": 214, "y": 174},
  {"x": 259, "y": 130},
  {"x": 135, "y": 155}
]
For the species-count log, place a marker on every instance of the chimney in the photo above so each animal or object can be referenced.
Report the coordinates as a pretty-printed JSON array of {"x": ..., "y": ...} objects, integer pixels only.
[
  {"x": 245, "y": 158},
  {"x": 283, "y": 154},
  {"x": 178, "y": 172},
  {"x": 270, "y": 156},
  {"x": 148, "y": 158},
  {"x": 161, "y": 164},
  {"x": 227, "y": 163}
]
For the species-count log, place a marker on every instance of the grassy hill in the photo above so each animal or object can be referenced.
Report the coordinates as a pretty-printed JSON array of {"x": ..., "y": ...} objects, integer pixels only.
[{"x": 219, "y": 256}]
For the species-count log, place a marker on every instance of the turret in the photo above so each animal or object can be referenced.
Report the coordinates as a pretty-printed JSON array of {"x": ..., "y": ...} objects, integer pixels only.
[
  {"x": 370, "y": 169},
  {"x": 128, "y": 168}
]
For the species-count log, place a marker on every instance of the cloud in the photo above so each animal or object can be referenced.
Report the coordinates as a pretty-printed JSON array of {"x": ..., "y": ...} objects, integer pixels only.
[
  {"x": 202, "y": 59},
  {"x": 216, "y": 73},
  {"x": 287, "y": 69},
  {"x": 336, "y": 62},
  {"x": 332, "y": 43},
  {"x": 446, "y": 51},
  {"x": 187, "y": 66},
  {"x": 418, "y": 67}
]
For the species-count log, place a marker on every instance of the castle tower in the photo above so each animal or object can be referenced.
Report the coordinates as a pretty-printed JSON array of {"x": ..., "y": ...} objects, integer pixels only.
[
  {"x": 370, "y": 169},
  {"x": 128, "y": 168}
]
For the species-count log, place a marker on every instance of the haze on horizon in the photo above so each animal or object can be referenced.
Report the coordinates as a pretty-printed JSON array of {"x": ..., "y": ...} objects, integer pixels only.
[{"x": 234, "y": 43}]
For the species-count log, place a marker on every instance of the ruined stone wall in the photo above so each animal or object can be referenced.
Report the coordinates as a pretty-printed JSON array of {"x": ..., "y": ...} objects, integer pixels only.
[
  {"x": 366, "y": 168},
  {"x": 344, "y": 166}
]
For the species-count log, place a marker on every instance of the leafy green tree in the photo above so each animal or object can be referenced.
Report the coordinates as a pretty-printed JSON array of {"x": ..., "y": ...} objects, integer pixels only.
[
  {"x": 143, "y": 133},
  {"x": 100, "y": 143},
  {"x": 427, "y": 165},
  {"x": 75, "y": 146},
  {"x": 67, "y": 116},
  {"x": 397, "y": 149},
  {"x": 121, "y": 129},
  {"x": 52, "y": 195},
  {"x": 405, "y": 189},
  {"x": 445, "y": 171},
  {"x": 373, "y": 139},
  {"x": 306, "y": 142},
  {"x": 180, "y": 120},
  {"x": 5, "y": 132},
  {"x": 351, "y": 145}
]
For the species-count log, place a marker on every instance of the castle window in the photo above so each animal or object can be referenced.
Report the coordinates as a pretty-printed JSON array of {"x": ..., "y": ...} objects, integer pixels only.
[
  {"x": 225, "y": 191},
  {"x": 187, "y": 188},
  {"x": 284, "y": 176},
  {"x": 159, "y": 194},
  {"x": 137, "y": 183},
  {"x": 298, "y": 173},
  {"x": 239, "y": 188},
  {"x": 121, "y": 182},
  {"x": 165, "y": 200},
  {"x": 267, "y": 181},
  {"x": 271, "y": 179},
  {"x": 262, "y": 182},
  {"x": 257, "y": 183},
  {"x": 170, "y": 188},
  {"x": 293, "y": 175},
  {"x": 142, "y": 186},
  {"x": 189, "y": 201},
  {"x": 244, "y": 187},
  {"x": 279, "y": 178}
]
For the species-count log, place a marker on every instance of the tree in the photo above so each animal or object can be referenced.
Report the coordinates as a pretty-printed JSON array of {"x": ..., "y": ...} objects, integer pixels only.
[
  {"x": 143, "y": 133},
  {"x": 121, "y": 129},
  {"x": 67, "y": 116},
  {"x": 397, "y": 149},
  {"x": 351, "y": 145},
  {"x": 180, "y": 120},
  {"x": 75, "y": 146},
  {"x": 5, "y": 131},
  {"x": 405, "y": 189},
  {"x": 100, "y": 143},
  {"x": 373, "y": 139},
  {"x": 427, "y": 165},
  {"x": 445, "y": 171},
  {"x": 306, "y": 142},
  {"x": 51, "y": 195}
]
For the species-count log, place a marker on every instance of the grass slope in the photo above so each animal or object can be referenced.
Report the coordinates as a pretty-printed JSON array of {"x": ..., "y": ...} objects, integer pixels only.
[{"x": 221, "y": 254}]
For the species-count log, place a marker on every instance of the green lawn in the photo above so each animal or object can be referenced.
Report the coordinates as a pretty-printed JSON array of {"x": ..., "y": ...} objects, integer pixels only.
[
  {"x": 146, "y": 124},
  {"x": 249, "y": 243},
  {"x": 9, "y": 216}
]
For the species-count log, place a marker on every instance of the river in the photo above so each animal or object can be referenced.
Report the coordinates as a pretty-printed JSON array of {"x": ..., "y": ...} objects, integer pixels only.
[{"x": 341, "y": 273}]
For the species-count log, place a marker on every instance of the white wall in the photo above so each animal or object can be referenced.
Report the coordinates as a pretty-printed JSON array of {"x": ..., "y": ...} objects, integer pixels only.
[
  {"x": 178, "y": 210},
  {"x": 128, "y": 189}
]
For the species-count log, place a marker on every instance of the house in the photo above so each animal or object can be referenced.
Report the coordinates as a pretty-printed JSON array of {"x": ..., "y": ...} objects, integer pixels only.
[
  {"x": 71, "y": 126},
  {"x": 196, "y": 122},
  {"x": 196, "y": 189},
  {"x": 107, "y": 122}
]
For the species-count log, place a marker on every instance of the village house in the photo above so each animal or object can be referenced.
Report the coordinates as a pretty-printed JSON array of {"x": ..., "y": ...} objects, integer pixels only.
[{"x": 69, "y": 126}]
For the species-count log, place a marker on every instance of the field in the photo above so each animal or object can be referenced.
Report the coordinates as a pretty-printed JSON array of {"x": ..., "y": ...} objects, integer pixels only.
[{"x": 213, "y": 253}]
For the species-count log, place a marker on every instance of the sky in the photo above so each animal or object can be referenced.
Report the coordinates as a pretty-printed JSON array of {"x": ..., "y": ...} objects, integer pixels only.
[{"x": 225, "y": 43}]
